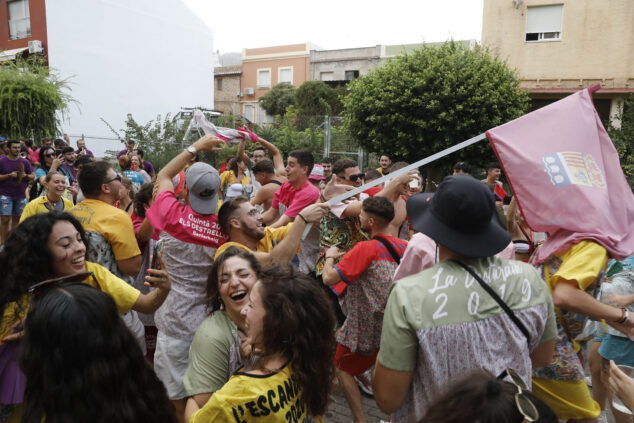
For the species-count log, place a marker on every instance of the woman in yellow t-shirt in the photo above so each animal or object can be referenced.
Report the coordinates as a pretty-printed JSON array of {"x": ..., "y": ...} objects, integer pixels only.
[
  {"x": 55, "y": 184},
  {"x": 46, "y": 246},
  {"x": 234, "y": 181},
  {"x": 288, "y": 322}
]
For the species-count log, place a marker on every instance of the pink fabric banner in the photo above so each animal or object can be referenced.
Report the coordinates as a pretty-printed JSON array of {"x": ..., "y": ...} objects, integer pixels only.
[{"x": 565, "y": 172}]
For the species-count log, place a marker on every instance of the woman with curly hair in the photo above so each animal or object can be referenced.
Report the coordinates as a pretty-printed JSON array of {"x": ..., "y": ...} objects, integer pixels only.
[
  {"x": 215, "y": 352},
  {"x": 46, "y": 246},
  {"x": 82, "y": 364},
  {"x": 289, "y": 325}
]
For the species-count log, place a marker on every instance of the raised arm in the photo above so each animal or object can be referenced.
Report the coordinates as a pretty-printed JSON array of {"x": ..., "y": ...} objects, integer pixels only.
[
  {"x": 164, "y": 177},
  {"x": 241, "y": 152},
  {"x": 278, "y": 160},
  {"x": 510, "y": 216}
]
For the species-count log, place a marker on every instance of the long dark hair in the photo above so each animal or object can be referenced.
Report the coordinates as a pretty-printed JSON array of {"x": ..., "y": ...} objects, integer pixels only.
[
  {"x": 213, "y": 296},
  {"x": 26, "y": 259},
  {"x": 483, "y": 398},
  {"x": 82, "y": 364},
  {"x": 43, "y": 151},
  {"x": 299, "y": 324},
  {"x": 143, "y": 197}
]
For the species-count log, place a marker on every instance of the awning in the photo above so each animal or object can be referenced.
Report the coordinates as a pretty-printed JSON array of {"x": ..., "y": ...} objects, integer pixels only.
[{"x": 11, "y": 54}]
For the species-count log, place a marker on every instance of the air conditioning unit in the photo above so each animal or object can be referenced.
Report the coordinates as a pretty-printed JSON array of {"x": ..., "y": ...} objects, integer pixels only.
[
  {"x": 35, "y": 47},
  {"x": 249, "y": 91}
]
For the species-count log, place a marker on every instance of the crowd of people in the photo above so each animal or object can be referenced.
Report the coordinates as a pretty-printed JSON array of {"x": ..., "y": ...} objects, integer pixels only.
[{"x": 248, "y": 294}]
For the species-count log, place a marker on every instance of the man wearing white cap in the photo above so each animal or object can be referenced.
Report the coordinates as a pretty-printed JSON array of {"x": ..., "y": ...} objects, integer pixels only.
[
  {"x": 471, "y": 311},
  {"x": 191, "y": 235}
]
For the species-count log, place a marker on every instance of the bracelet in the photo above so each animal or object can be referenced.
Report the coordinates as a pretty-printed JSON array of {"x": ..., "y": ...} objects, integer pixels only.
[
  {"x": 321, "y": 196},
  {"x": 624, "y": 316},
  {"x": 303, "y": 218},
  {"x": 329, "y": 257}
]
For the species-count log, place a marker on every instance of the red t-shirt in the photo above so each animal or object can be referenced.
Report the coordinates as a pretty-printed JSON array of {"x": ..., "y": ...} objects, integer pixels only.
[
  {"x": 357, "y": 260},
  {"x": 373, "y": 191},
  {"x": 294, "y": 200}
]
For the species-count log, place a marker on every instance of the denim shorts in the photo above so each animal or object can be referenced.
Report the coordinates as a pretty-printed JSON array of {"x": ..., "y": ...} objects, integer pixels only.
[{"x": 11, "y": 206}]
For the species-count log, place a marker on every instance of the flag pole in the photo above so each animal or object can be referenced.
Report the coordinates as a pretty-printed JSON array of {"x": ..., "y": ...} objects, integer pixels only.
[{"x": 396, "y": 173}]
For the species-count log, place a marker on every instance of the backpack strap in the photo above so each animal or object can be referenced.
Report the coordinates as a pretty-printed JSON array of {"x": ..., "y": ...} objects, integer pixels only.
[
  {"x": 499, "y": 300},
  {"x": 389, "y": 247}
]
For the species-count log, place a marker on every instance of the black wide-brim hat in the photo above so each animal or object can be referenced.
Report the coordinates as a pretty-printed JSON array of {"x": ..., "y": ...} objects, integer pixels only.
[{"x": 460, "y": 216}]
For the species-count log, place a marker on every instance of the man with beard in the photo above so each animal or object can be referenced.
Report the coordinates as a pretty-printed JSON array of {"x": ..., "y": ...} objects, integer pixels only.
[
  {"x": 367, "y": 269},
  {"x": 243, "y": 224}
]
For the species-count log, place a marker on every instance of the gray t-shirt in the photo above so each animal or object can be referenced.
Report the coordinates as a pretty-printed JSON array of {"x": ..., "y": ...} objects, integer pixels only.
[{"x": 214, "y": 355}]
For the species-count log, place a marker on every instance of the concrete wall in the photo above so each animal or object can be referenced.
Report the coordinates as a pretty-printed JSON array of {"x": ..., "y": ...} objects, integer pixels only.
[
  {"x": 143, "y": 57},
  {"x": 339, "y": 61},
  {"x": 596, "y": 46}
]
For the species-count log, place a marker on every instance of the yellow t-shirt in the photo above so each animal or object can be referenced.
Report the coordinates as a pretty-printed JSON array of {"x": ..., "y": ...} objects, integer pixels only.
[
  {"x": 272, "y": 236},
  {"x": 114, "y": 224},
  {"x": 39, "y": 206},
  {"x": 581, "y": 263},
  {"x": 123, "y": 295},
  {"x": 272, "y": 398},
  {"x": 228, "y": 177}
]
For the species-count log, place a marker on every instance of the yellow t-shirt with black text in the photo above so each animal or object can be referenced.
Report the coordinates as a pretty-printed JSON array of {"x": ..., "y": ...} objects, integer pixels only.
[{"x": 276, "y": 397}]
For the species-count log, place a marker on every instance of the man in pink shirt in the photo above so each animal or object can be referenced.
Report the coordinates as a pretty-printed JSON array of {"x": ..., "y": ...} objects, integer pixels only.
[
  {"x": 294, "y": 194},
  {"x": 191, "y": 235}
]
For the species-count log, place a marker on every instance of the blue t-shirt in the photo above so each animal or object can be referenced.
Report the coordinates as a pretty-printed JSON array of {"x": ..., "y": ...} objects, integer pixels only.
[{"x": 135, "y": 177}]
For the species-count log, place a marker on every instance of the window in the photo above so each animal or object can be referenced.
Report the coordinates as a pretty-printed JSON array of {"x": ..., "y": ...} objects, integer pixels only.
[
  {"x": 327, "y": 76},
  {"x": 285, "y": 75},
  {"x": 249, "y": 112},
  {"x": 543, "y": 23},
  {"x": 352, "y": 74},
  {"x": 264, "y": 78},
  {"x": 219, "y": 84},
  {"x": 19, "y": 19}
]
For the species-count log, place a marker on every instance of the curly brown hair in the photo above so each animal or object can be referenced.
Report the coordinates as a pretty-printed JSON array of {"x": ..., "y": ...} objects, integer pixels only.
[{"x": 299, "y": 324}]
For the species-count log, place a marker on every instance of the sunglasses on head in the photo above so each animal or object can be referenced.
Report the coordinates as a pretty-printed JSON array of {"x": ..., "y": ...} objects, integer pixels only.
[
  {"x": 44, "y": 286},
  {"x": 524, "y": 405},
  {"x": 116, "y": 178},
  {"x": 353, "y": 178}
]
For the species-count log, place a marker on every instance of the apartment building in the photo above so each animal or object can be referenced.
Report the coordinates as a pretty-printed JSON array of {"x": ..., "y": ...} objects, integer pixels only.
[{"x": 561, "y": 46}]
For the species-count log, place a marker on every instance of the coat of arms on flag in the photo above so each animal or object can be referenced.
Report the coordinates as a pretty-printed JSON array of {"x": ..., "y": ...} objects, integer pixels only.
[{"x": 572, "y": 167}]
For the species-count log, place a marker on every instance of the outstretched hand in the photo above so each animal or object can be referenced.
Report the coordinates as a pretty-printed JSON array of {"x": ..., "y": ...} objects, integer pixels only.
[
  {"x": 208, "y": 143},
  {"x": 334, "y": 189}
]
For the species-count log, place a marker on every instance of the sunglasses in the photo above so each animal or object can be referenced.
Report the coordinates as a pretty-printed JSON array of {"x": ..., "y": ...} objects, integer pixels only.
[
  {"x": 353, "y": 178},
  {"x": 524, "y": 405},
  {"x": 116, "y": 178},
  {"x": 49, "y": 155},
  {"x": 44, "y": 286}
]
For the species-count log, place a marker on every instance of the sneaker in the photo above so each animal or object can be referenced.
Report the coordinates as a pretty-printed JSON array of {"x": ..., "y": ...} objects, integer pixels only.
[{"x": 364, "y": 381}]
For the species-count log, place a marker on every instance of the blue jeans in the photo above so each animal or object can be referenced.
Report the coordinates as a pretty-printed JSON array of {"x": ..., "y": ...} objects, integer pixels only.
[{"x": 11, "y": 206}]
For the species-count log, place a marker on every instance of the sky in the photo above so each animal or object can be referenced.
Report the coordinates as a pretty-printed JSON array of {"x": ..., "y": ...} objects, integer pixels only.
[{"x": 331, "y": 24}]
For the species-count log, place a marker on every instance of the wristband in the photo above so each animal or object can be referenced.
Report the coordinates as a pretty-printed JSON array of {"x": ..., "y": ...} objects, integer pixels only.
[
  {"x": 624, "y": 316},
  {"x": 303, "y": 218}
]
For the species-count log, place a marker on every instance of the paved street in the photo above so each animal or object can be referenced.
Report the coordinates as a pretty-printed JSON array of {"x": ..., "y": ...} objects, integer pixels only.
[{"x": 339, "y": 412}]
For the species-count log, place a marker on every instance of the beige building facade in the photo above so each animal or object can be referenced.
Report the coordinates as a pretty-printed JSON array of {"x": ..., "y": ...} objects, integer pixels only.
[
  {"x": 561, "y": 46},
  {"x": 263, "y": 68},
  {"x": 227, "y": 89}
]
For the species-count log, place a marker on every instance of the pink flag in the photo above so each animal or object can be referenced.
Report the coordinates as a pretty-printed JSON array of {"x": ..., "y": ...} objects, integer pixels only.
[{"x": 565, "y": 172}]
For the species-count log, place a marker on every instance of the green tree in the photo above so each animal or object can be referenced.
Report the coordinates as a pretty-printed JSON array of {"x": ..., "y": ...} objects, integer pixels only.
[
  {"x": 622, "y": 134},
  {"x": 32, "y": 99},
  {"x": 278, "y": 99},
  {"x": 316, "y": 98},
  {"x": 423, "y": 102}
]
